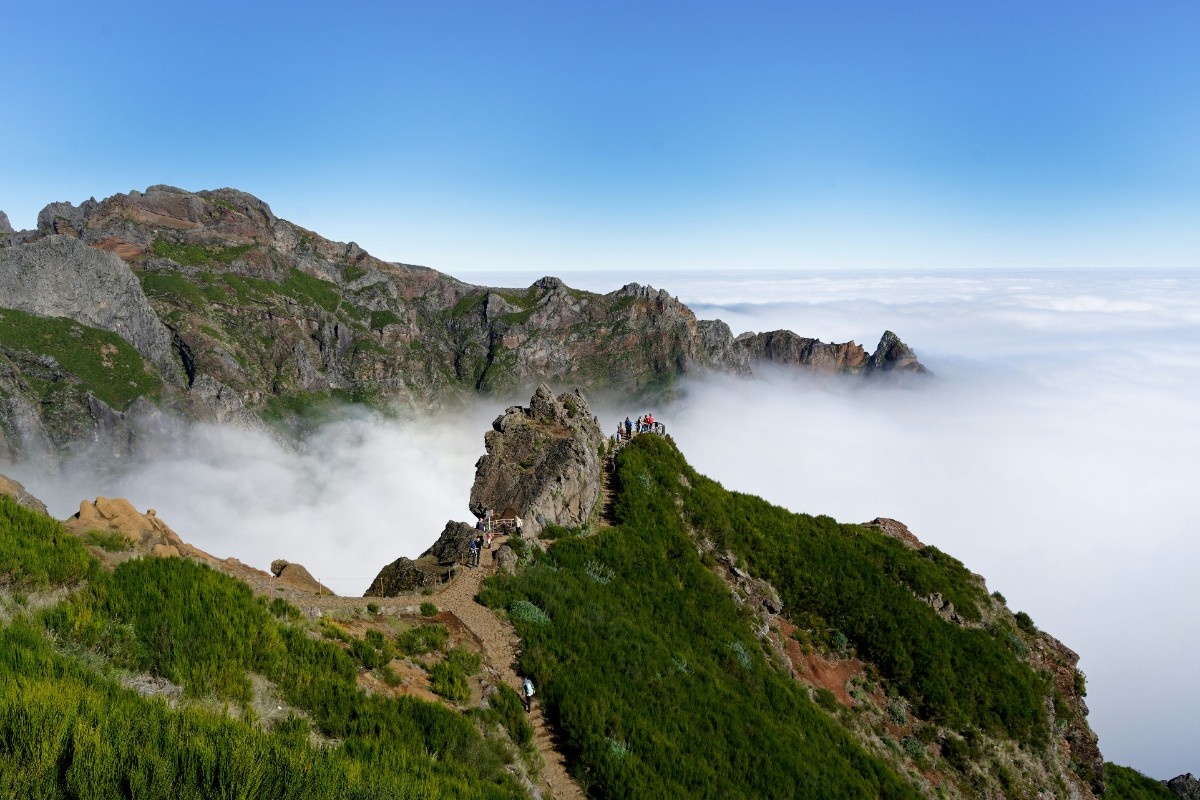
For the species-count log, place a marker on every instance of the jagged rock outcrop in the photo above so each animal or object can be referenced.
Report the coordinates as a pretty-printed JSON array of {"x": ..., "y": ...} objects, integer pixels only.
[
  {"x": 893, "y": 355},
  {"x": 788, "y": 349},
  {"x": 16, "y": 491},
  {"x": 1060, "y": 663},
  {"x": 59, "y": 276},
  {"x": 451, "y": 547},
  {"x": 1185, "y": 787},
  {"x": 5, "y": 225},
  {"x": 541, "y": 461}
]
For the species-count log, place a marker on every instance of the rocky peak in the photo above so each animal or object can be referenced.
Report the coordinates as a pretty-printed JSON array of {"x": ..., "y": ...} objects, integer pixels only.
[
  {"x": 542, "y": 462},
  {"x": 5, "y": 225},
  {"x": 1185, "y": 787},
  {"x": 893, "y": 355}
]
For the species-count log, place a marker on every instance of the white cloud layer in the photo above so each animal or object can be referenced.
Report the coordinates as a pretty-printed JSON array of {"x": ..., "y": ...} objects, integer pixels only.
[{"x": 1055, "y": 453}]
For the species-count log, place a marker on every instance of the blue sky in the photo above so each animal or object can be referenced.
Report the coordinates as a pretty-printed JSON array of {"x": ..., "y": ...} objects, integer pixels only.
[{"x": 561, "y": 136}]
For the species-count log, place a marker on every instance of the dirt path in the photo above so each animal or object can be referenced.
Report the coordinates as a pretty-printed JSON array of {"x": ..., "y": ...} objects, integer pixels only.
[{"x": 500, "y": 643}]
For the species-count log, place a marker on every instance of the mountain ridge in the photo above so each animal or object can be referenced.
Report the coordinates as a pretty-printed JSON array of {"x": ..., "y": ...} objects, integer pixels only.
[{"x": 245, "y": 316}]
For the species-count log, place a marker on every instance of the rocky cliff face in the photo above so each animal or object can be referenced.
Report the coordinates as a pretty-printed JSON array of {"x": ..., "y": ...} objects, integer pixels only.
[
  {"x": 542, "y": 462},
  {"x": 58, "y": 276},
  {"x": 248, "y": 314}
]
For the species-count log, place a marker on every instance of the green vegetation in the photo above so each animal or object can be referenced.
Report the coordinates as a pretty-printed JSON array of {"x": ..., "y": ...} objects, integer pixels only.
[
  {"x": 1128, "y": 784},
  {"x": 35, "y": 551},
  {"x": 428, "y": 609},
  {"x": 105, "y": 363},
  {"x": 867, "y": 586},
  {"x": 307, "y": 289},
  {"x": 449, "y": 676},
  {"x": 109, "y": 541},
  {"x": 71, "y": 731},
  {"x": 423, "y": 639},
  {"x": 195, "y": 255},
  {"x": 381, "y": 319},
  {"x": 506, "y": 709},
  {"x": 654, "y": 676}
]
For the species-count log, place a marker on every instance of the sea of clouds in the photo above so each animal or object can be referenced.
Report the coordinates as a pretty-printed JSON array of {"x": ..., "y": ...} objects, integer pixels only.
[{"x": 1055, "y": 452}]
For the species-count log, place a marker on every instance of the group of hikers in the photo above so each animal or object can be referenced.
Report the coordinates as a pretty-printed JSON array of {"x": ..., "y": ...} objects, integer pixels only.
[
  {"x": 646, "y": 424},
  {"x": 485, "y": 531}
]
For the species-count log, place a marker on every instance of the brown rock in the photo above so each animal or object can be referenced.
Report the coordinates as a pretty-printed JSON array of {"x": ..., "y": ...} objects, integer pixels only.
[
  {"x": 298, "y": 577},
  {"x": 895, "y": 529},
  {"x": 148, "y": 533},
  {"x": 17, "y": 492}
]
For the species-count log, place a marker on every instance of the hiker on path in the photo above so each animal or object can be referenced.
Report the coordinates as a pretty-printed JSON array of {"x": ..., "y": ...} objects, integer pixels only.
[
  {"x": 528, "y": 694},
  {"x": 490, "y": 534},
  {"x": 628, "y": 428},
  {"x": 519, "y": 524},
  {"x": 473, "y": 557}
]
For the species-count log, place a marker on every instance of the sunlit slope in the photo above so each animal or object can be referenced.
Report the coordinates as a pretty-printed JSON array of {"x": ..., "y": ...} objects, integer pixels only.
[
  {"x": 69, "y": 729},
  {"x": 654, "y": 674},
  {"x": 665, "y": 685}
]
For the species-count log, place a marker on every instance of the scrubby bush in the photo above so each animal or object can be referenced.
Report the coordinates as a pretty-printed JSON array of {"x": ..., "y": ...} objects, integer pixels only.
[
  {"x": 422, "y": 639},
  {"x": 428, "y": 609}
]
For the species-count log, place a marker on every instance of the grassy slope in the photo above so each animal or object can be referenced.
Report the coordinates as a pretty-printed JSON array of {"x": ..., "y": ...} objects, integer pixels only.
[
  {"x": 67, "y": 729},
  {"x": 1129, "y": 784},
  {"x": 102, "y": 361},
  {"x": 653, "y": 673}
]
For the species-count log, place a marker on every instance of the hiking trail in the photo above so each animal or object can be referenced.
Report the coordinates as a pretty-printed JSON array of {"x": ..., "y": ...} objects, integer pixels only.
[{"x": 500, "y": 644}]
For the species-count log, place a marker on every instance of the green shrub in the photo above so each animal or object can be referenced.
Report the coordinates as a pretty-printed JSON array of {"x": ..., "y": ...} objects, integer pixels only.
[
  {"x": 109, "y": 541},
  {"x": 526, "y": 611},
  {"x": 422, "y": 639},
  {"x": 1025, "y": 622},
  {"x": 449, "y": 682},
  {"x": 373, "y": 608},
  {"x": 428, "y": 609},
  {"x": 35, "y": 551},
  {"x": 506, "y": 708},
  {"x": 827, "y": 700},
  {"x": 1124, "y": 783}
]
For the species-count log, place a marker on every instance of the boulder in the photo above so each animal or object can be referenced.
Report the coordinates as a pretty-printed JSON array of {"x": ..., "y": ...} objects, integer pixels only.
[
  {"x": 149, "y": 533},
  {"x": 895, "y": 529},
  {"x": 400, "y": 576},
  {"x": 451, "y": 547},
  {"x": 505, "y": 558},
  {"x": 298, "y": 577},
  {"x": 542, "y": 461},
  {"x": 1185, "y": 787}
]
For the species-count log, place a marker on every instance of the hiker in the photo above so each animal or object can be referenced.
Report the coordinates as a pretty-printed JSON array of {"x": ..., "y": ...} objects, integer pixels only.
[
  {"x": 480, "y": 525},
  {"x": 519, "y": 524},
  {"x": 628, "y": 428},
  {"x": 640, "y": 424},
  {"x": 473, "y": 556},
  {"x": 490, "y": 534},
  {"x": 528, "y": 687}
]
